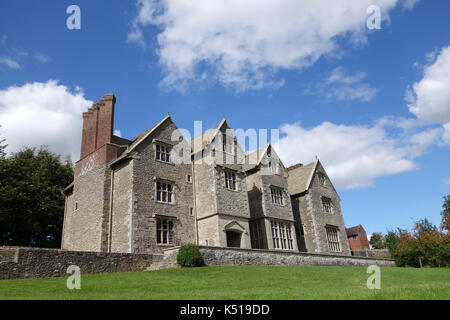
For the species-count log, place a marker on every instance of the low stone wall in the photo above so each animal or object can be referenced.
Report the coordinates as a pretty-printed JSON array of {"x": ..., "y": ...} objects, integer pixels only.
[
  {"x": 22, "y": 262},
  {"x": 214, "y": 256},
  {"x": 374, "y": 253}
]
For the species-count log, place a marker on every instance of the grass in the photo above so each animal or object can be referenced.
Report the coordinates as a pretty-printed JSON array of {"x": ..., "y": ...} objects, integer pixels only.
[{"x": 240, "y": 282}]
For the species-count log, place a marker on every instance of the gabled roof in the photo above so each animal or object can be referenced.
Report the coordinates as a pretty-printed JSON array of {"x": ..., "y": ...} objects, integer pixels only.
[
  {"x": 253, "y": 159},
  {"x": 200, "y": 142},
  {"x": 300, "y": 177},
  {"x": 139, "y": 138},
  {"x": 356, "y": 230}
]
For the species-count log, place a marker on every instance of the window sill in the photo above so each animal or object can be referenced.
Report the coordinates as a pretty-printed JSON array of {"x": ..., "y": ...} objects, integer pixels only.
[
  {"x": 165, "y": 162},
  {"x": 168, "y": 203}
]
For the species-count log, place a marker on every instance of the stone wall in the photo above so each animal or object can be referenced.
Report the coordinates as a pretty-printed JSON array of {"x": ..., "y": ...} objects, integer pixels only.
[
  {"x": 374, "y": 253},
  {"x": 147, "y": 171},
  {"x": 21, "y": 262},
  {"x": 322, "y": 219},
  {"x": 214, "y": 256}
]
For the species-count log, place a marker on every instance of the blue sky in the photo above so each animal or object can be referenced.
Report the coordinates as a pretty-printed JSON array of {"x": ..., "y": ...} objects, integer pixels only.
[{"x": 341, "y": 97}]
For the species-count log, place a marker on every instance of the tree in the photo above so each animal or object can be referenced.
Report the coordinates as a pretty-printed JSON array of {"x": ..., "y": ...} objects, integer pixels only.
[
  {"x": 2, "y": 148},
  {"x": 392, "y": 237},
  {"x": 31, "y": 203},
  {"x": 377, "y": 241}
]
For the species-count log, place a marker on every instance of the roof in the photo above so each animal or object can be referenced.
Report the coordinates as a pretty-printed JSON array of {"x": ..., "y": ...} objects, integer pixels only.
[
  {"x": 300, "y": 177},
  {"x": 356, "y": 230},
  {"x": 253, "y": 159},
  {"x": 138, "y": 139}
]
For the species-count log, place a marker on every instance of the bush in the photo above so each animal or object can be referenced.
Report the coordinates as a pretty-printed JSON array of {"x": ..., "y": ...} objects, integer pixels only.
[{"x": 189, "y": 256}]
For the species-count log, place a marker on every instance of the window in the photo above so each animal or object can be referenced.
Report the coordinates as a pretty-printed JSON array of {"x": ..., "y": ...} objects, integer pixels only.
[
  {"x": 273, "y": 166},
  {"x": 228, "y": 145},
  {"x": 164, "y": 192},
  {"x": 354, "y": 237},
  {"x": 322, "y": 179},
  {"x": 163, "y": 153},
  {"x": 188, "y": 178},
  {"x": 277, "y": 196},
  {"x": 76, "y": 206},
  {"x": 256, "y": 235},
  {"x": 326, "y": 205},
  {"x": 333, "y": 239},
  {"x": 164, "y": 231},
  {"x": 230, "y": 180},
  {"x": 282, "y": 235},
  {"x": 301, "y": 231},
  {"x": 191, "y": 211}
]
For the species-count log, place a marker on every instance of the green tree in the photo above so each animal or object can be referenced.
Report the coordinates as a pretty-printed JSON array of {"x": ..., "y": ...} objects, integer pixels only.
[
  {"x": 446, "y": 207},
  {"x": 31, "y": 203},
  {"x": 377, "y": 241},
  {"x": 392, "y": 237}
]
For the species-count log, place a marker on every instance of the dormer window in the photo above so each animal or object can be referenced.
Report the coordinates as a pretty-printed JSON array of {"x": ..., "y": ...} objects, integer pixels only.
[
  {"x": 163, "y": 153},
  {"x": 228, "y": 145},
  {"x": 273, "y": 166},
  {"x": 322, "y": 179}
]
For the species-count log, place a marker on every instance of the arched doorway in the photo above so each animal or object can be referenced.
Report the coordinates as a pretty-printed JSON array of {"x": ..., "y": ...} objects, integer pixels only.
[{"x": 233, "y": 239}]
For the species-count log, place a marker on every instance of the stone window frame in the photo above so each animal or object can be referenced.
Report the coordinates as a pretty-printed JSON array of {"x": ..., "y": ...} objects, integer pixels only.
[
  {"x": 334, "y": 243},
  {"x": 224, "y": 139},
  {"x": 282, "y": 235},
  {"x": 165, "y": 231},
  {"x": 280, "y": 196},
  {"x": 322, "y": 179},
  {"x": 165, "y": 145},
  {"x": 172, "y": 192},
  {"x": 327, "y": 201},
  {"x": 232, "y": 178}
]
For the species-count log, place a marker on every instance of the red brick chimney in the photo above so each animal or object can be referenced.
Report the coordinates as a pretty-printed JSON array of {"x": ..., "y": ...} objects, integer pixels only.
[{"x": 98, "y": 124}]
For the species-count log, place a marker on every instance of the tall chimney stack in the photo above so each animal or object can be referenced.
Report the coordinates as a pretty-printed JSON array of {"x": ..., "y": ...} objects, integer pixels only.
[{"x": 98, "y": 125}]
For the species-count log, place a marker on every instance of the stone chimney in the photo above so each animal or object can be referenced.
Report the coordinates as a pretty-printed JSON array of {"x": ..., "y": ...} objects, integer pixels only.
[{"x": 98, "y": 124}]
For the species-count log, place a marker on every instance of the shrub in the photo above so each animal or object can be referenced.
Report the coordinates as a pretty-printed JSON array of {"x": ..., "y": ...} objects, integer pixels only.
[{"x": 189, "y": 256}]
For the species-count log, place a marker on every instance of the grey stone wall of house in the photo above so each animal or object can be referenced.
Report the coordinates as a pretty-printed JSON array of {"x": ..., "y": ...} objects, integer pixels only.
[
  {"x": 238, "y": 256},
  {"x": 146, "y": 172},
  {"x": 43, "y": 263},
  {"x": 321, "y": 218},
  {"x": 373, "y": 253},
  {"x": 301, "y": 207},
  {"x": 85, "y": 229},
  {"x": 122, "y": 208}
]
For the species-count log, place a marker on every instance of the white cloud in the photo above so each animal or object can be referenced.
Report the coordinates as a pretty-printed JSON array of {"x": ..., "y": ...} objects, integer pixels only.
[
  {"x": 38, "y": 114},
  {"x": 429, "y": 99},
  {"x": 353, "y": 155},
  {"x": 117, "y": 133},
  {"x": 10, "y": 63},
  {"x": 41, "y": 57},
  {"x": 409, "y": 4},
  {"x": 446, "y": 134},
  {"x": 447, "y": 182},
  {"x": 342, "y": 86},
  {"x": 243, "y": 43}
]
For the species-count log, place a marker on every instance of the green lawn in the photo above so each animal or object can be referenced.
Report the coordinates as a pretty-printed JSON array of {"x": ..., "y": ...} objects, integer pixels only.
[{"x": 240, "y": 282}]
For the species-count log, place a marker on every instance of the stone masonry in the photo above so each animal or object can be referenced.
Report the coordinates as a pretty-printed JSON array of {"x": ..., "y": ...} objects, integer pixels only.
[{"x": 159, "y": 190}]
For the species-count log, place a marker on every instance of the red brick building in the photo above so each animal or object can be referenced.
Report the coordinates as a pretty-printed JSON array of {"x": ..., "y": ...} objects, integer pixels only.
[{"x": 357, "y": 238}]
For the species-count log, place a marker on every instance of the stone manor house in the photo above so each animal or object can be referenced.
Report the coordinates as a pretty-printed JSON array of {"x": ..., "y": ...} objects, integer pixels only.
[{"x": 159, "y": 190}]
